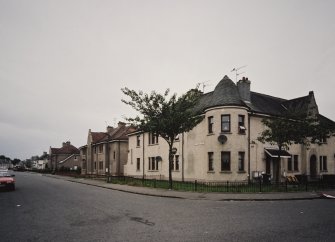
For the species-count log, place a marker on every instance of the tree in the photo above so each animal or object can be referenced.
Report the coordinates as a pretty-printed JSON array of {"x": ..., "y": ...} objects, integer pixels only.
[
  {"x": 16, "y": 161},
  {"x": 165, "y": 116},
  {"x": 294, "y": 128}
]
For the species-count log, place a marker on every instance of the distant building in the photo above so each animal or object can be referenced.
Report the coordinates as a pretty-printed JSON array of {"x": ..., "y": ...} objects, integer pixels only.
[
  {"x": 224, "y": 146},
  {"x": 65, "y": 157},
  {"x": 40, "y": 163},
  {"x": 106, "y": 152}
]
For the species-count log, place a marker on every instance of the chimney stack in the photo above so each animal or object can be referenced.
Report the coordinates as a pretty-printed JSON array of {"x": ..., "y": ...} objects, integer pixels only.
[
  {"x": 244, "y": 89},
  {"x": 109, "y": 129},
  {"x": 121, "y": 124}
]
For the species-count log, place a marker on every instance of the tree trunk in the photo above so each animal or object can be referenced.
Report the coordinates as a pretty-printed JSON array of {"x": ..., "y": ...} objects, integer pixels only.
[
  {"x": 278, "y": 179},
  {"x": 170, "y": 165}
]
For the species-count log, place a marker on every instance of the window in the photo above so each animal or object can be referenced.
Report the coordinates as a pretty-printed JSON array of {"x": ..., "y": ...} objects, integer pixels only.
[
  {"x": 95, "y": 149},
  {"x": 138, "y": 141},
  {"x": 210, "y": 161},
  {"x": 100, "y": 148},
  {"x": 225, "y": 123},
  {"x": 296, "y": 162},
  {"x": 153, "y": 164},
  {"x": 95, "y": 165},
  {"x": 138, "y": 164},
  {"x": 323, "y": 163},
  {"x": 114, "y": 155},
  {"x": 323, "y": 140},
  {"x": 241, "y": 161},
  {"x": 101, "y": 165},
  {"x": 210, "y": 124},
  {"x": 289, "y": 164},
  {"x": 153, "y": 139},
  {"x": 225, "y": 161},
  {"x": 176, "y": 158},
  {"x": 241, "y": 125}
]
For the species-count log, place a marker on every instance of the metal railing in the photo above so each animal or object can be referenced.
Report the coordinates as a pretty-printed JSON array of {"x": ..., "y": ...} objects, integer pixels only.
[{"x": 229, "y": 186}]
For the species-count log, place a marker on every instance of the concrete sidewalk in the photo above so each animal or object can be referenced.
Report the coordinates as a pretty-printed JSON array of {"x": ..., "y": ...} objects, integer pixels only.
[{"x": 197, "y": 195}]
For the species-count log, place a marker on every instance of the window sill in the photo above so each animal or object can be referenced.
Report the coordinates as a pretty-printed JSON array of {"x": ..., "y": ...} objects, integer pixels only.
[
  {"x": 226, "y": 132},
  {"x": 138, "y": 146},
  {"x": 175, "y": 171},
  {"x": 241, "y": 172},
  {"x": 211, "y": 172},
  {"x": 241, "y": 133},
  {"x": 225, "y": 172},
  {"x": 153, "y": 144},
  {"x": 153, "y": 170},
  {"x": 210, "y": 134}
]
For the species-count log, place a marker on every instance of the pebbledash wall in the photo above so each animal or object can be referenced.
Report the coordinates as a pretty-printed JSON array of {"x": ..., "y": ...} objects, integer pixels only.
[{"x": 203, "y": 152}]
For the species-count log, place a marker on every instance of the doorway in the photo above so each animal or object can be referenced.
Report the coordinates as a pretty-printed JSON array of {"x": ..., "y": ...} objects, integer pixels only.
[{"x": 312, "y": 166}]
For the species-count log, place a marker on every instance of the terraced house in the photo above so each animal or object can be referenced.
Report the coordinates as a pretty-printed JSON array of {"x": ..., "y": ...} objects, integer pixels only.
[
  {"x": 224, "y": 146},
  {"x": 106, "y": 152}
]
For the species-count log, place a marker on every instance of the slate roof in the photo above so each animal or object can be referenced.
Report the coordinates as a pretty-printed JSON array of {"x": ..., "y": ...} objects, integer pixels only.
[
  {"x": 65, "y": 150},
  {"x": 226, "y": 94},
  {"x": 119, "y": 133}
]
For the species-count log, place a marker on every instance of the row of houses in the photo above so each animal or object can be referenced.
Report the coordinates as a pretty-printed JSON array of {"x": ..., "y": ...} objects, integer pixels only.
[{"x": 223, "y": 147}]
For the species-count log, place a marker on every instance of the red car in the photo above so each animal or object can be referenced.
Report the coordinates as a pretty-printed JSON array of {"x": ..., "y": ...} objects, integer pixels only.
[{"x": 7, "y": 180}]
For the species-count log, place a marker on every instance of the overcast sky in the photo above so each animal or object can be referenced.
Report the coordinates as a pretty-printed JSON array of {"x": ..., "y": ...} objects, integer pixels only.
[{"x": 63, "y": 62}]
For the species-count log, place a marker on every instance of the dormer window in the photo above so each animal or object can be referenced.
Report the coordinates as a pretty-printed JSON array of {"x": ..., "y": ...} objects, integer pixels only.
[{"x": 241, "y": 125}]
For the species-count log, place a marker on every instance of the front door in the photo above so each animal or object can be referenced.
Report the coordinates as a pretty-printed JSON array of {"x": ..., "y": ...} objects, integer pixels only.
[{"x": 312, "y": 166}]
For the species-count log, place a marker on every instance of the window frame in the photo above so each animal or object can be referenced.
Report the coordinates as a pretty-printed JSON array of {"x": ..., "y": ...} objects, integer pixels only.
[
  {"x": 225, "y": 167},
  {"x": 210, "y": 121},
  {"x": 241, "y": 161},
  {"x": 296, "y": 162},
  {"x": 153, "y": 163},
  {"x": 210, "y": 158},
  {"x": 323, "y": 163},
  {"x": 226, "y": 122},
  {"x": 153, "y": 139},
  {"x": 241, "y": 124},
  {"x": 289, "y": 164},
  {"x": 138, "y": 164},
  {"x": 101, "y": 165},
  {"x": 176, "y": 163},
  {"x": 138, "y": 140}
]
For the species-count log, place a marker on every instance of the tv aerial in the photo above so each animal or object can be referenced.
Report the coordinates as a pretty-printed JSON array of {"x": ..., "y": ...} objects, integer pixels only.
[
  {"x": 238, "y": 72},
  {"x": 203, "y": 85}
]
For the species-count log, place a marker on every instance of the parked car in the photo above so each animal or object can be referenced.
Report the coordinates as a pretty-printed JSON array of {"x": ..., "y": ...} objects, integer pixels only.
[{"x": 7, "y": 180}]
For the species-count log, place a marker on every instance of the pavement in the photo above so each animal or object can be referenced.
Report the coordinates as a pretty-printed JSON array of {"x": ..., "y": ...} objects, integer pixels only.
[{"x": 213, "y": 196}]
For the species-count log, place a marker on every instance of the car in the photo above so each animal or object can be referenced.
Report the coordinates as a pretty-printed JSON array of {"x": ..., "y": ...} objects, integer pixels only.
[{"x": 7, "y": 180}]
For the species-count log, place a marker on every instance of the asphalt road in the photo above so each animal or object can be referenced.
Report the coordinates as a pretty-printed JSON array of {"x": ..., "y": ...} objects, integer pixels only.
[{"x": 47, "y": 209}]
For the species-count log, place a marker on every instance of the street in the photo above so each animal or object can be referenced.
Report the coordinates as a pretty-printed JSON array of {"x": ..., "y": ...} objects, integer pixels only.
[{"x": 48, "y": 209}]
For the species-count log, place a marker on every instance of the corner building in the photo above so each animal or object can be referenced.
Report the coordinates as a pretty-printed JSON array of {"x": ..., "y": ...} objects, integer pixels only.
[{"x": 224, "y": 146}]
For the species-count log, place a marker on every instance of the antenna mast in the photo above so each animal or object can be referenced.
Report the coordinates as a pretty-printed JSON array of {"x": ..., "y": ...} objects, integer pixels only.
[
  {"x": 203, "y": 85},
  {"x": 237, "y": 73}
]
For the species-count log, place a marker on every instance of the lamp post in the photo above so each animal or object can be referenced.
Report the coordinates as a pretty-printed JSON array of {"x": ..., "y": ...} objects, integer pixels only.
[{"x": 107, "y": 171}]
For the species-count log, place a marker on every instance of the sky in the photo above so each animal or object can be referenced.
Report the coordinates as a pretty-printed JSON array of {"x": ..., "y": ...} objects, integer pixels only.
[{"x": 63, "y": 62}]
